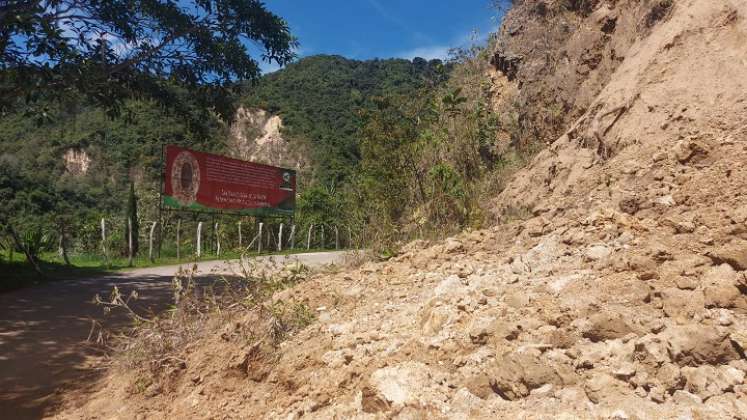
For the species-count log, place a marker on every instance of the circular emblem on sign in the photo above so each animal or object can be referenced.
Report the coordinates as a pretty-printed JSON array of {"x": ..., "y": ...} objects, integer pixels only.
[
  {"x": 185, "y": 178},
  {"x": 286, "y": 181}
]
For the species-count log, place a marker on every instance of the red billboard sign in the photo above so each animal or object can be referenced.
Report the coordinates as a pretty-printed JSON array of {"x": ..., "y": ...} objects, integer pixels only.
[{"x": 206, "y": 182}]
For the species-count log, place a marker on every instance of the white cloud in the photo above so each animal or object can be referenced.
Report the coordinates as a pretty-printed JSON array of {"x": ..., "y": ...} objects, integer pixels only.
[{"x": 428, "y": 52}]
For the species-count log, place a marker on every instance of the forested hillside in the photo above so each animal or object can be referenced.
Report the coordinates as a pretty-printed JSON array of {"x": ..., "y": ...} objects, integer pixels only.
[
  {"x": 320, "y": 99},
  {"x": 71, "y": 163}
]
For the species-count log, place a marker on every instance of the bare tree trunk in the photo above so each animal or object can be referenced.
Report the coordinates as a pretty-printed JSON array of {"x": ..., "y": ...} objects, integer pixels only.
[
  {"x": 178, "y": 239},
  {"x": 337, "y": 238},
  {"x": 63, "y": 246},
  {"x": 293, "y": 236},
  {"x": 308, "y": 238}
]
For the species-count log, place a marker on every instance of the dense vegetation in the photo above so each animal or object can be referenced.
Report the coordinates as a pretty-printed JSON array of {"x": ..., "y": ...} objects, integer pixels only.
[
  {"x": 320, "y": 99},
  {"x": 111, "y": 51},
  {"x": 398, "y": 149}
]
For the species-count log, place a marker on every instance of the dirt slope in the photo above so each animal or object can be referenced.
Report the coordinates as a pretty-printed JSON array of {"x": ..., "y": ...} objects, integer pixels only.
[{"x": 623, "y": 296}]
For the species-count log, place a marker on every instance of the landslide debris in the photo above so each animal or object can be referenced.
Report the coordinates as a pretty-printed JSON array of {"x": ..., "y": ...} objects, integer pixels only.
[{"x": 624, "y": 295}]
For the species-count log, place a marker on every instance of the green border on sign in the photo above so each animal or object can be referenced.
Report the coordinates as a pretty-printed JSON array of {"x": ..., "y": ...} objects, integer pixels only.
[{"x": 170, "y": 201}]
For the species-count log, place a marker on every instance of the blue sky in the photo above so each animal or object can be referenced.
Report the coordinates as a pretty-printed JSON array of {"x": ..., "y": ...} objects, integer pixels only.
[{"x": 364, "y": 29}]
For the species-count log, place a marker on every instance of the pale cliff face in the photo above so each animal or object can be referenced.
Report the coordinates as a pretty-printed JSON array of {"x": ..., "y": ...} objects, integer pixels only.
[
  {"x": 256, "y": 136},
  {"x": 77, "y": 161}
]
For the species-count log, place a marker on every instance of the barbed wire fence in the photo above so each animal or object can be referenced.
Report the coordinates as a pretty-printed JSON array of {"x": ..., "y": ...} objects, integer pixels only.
[{"x": 111, "y": 241}]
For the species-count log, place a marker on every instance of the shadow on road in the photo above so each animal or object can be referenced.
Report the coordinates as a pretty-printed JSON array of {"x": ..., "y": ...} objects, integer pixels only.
[{"x": 43, "y": 332}]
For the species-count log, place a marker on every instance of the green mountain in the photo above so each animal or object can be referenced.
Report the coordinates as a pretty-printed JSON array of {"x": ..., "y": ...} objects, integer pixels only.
[{"x": 320, "y": 99}]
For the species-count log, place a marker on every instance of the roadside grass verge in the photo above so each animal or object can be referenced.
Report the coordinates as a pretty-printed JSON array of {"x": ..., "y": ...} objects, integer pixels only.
[{"x": 16, "y": 272}]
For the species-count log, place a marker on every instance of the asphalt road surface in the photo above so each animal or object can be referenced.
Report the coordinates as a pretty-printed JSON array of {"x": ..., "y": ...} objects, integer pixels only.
[{"x": 43, "y": 329}]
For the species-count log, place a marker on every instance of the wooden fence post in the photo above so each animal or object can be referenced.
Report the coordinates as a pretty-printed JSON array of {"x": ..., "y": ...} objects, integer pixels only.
[
  {"x": 350, "y": 237},
  {"x": 129, "y": 241},
  {"x": 103, "y": 240},
  {"x": 308, "y": 238},
  {"x": 293, "y": 236},
  {"x": 280, "y": 238},
  {"x": 217, "y": 240},
  {"x": 259, "y": 238},
  {"x": 322, "y": 226},
  {"x": 239, "y": 234},
  {"x": 150, "y": 241},
  {"x": 178, "y": 239},
  {"x": 199, "y": 240},
  {"x": 337, "y": 238}
]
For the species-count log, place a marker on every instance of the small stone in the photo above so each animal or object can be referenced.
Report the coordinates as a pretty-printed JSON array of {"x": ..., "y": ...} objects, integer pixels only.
[
  {"x": 452, "y": 246},
  {"x": 685, "y": 283},
  {"x": 630, "y": 205},
  {"x": 739, "y": 338},
  {"x": 686, "y": 150},
  {"x": 625, "y": 372},
  {"x": 656, "y": 394},
  {"x": 739, "y": 215},
  {"x": 657, "y": 326},
  {"x": 659, "y": 156},
  {"x": 544, "y": 390},
  {"x": 606, "y": 326},
  {"x": 597, "y": 252},
  {"x": 734, "y": 254},
  {"x": 685, "y": 398},
  {"x": 666, "y": 200},
  {"x": 685, "y": 226}
]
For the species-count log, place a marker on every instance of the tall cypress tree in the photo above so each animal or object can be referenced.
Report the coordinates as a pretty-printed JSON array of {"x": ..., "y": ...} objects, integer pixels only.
[{"x": 131, "y": 214}]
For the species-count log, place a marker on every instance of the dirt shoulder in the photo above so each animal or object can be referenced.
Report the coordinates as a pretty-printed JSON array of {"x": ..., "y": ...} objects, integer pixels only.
[{"x": 43, "y": 329}]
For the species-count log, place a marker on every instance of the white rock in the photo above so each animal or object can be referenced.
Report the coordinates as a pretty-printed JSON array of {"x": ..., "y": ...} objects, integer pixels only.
[
  {"x": 448, "y": 286},
  {"x": 401, "y": 384},
  {"x": 597, "y": 252}
]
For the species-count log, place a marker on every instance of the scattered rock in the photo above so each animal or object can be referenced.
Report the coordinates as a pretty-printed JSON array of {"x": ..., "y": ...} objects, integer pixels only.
[
  {"x": 685, "y": 283},
  {"x": 630, "y": 205},
  {"x": 691, "y": 345},
  {"x": 597, "y": 252},
  {"x": 516, "y": 374},
  {"x": 686, "y": 150},
  {"x": 734, "y": 254},
  {"x": 453, "y": 246},
  {"x": 607, "y": 326},
  {"x": 660, "y": 156},
  {"x": 603, "y": 387}
]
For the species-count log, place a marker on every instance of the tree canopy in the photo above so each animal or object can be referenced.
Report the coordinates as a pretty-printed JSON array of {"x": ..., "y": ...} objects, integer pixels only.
[{"x": 118, "y": 49}]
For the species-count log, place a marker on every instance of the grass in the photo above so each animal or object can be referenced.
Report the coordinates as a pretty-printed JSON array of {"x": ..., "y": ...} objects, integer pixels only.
[{"x": 16, "y": 272}]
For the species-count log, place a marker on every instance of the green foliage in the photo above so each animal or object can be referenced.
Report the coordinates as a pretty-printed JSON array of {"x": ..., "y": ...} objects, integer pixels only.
[
  {"x": 425, "y": 155},
  {"x": 35, "y": 241},
  {"x": 113, "y": 50},
  {"x": 320, "y": 99}
]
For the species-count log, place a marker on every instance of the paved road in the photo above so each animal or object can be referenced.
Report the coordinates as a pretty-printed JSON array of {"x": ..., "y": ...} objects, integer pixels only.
[{"x": 43, "y": 329}]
